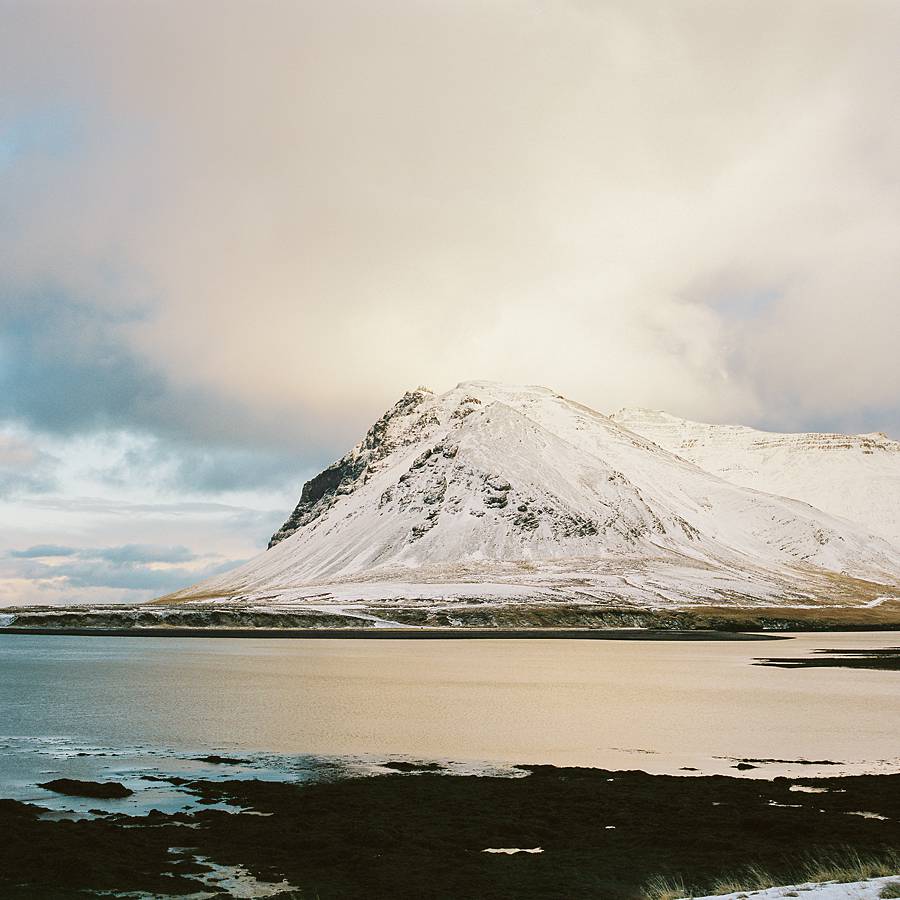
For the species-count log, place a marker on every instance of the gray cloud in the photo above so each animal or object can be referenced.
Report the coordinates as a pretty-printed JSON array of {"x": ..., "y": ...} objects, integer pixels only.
[
  {"x": 230, "y": 469},
  {"x": 859, "y": 420},
  {"x": 194, "y": 509},
  {"x": 212, "y": 469},
  {"x": 124, "y": 555},
  {"x": 68, "y": 370},
  {"x": 100, "y": 574},
  {"x": 64, "y": 370},
  {"x": 319, "y": 205},
  {"x": 208, "y": 529},
  {"x": 15, "y": 483},
  {"x": 40, "y": 551},
  {"x": 132, "y": 567},
  {"x": 140, "y": 553},
  {"x": 24, "y": 468}
]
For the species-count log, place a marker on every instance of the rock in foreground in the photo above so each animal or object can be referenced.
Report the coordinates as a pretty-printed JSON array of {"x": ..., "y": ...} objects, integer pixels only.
[{"x": 106, "y": 790}]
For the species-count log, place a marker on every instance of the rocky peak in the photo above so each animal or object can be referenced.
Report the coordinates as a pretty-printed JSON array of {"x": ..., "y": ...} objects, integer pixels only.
[
  {"x": 402, "y": 424},
  {"x": 518, "y": 489}
]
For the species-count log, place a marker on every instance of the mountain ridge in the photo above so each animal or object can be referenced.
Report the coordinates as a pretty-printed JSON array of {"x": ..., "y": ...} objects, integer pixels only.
[
  {"x": 496, "y": 493},
  {"x": 854, "y": 476}
]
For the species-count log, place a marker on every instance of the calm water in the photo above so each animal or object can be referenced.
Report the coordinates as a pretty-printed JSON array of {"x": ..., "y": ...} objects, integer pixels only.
[{"x": 630, "y": 704}]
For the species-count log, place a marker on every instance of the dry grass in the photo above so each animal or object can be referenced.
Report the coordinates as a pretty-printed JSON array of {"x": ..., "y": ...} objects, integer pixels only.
[
  {"x": 188, "y": 596},
  {"x": 843, "y": 866},
  {"x": 751, "y": 875},
  {"x": 660, "y": 888},
  {"x": 820, "y": 618},
  {"x": 850, "y": 866}
]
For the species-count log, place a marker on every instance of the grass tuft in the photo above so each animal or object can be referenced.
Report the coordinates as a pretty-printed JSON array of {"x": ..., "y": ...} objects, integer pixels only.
[
  {"x": 750, "y": 875},
  {"x": 848, "y": 865},
  {"x": 661, "y": 888},
  {"x": 890, "y": 891},
  {"x": 841, "y": 866}
]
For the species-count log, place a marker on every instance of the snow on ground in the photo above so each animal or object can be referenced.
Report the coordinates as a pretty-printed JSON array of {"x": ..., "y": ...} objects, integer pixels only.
[
  {"x": 857, "y": 890},
  {"x": 497, "y": 493},
  {"x": 511, "y": 851},
  {"x": 855, "y": 476}
]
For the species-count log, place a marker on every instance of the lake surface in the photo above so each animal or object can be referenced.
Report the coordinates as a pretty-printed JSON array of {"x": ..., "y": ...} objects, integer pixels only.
[{"x": 128, "y": 703}]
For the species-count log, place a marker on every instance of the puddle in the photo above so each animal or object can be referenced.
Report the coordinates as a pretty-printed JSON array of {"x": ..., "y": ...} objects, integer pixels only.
[{"x": 235, "y": 880}]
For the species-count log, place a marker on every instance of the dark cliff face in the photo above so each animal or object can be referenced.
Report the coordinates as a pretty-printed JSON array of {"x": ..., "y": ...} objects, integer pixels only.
[
  {"x": 319, "y": 493},
  {"x": 342, "y": 477}
]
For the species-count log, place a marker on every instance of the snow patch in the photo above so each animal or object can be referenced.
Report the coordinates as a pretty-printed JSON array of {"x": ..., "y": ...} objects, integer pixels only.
[
  {"x": 832, "y": 890},
  {"x": 509, "y": 851}
]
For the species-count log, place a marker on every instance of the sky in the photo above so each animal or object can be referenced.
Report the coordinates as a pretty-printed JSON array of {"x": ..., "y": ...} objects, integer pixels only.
[{"x": 233, "y": 233}]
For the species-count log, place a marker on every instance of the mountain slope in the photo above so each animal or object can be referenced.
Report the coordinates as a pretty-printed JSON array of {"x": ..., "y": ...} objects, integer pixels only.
[
  {"x": 489, "y": 492},
  {"x": 855, "y": 476}
]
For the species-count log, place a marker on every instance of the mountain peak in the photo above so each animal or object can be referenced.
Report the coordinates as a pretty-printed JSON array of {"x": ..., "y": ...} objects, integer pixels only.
[
  {"x": 497, "y": 488},
  {"x": 503, "y": 388}
]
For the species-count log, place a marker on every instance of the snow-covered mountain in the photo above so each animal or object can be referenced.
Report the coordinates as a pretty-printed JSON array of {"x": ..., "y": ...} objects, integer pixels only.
[
  {"x": 856, "y": 476},
  {"x": 490, "y": 492}
]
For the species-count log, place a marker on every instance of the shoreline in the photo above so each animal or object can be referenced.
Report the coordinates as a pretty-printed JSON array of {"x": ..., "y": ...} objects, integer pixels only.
[
  {"x": 589, "y": 832},
  {"x": 470, "y": 620},
  {"x": 372, "y": 633}
]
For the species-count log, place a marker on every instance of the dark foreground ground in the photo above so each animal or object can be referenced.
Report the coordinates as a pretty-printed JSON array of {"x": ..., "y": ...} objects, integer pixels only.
[{"x": 418, "y": 834}]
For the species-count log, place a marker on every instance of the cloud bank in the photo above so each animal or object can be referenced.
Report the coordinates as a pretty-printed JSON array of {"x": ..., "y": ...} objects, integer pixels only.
[
  {"x": 316, "y": 206},
  {"x": 135, "y": 571},
  {"x": 232, "y": 234}
]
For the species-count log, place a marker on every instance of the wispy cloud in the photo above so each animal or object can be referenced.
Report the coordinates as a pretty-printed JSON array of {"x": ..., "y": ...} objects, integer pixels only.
[
  {"x": 130, "y": 567},
  {"x": 42, "y": 551},
  {"x": 69, "y": 576},
  {"x": 195, "y": 511},
  {"x": 24, "y": 467},
  {"x": 193, "y": 468},
  {"x": 69, "y": 368},
  {"x": 126, "y": 554}
]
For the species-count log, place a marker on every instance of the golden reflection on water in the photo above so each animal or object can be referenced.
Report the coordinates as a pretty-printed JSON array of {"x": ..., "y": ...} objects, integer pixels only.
[{"x": 652, "y": 705}]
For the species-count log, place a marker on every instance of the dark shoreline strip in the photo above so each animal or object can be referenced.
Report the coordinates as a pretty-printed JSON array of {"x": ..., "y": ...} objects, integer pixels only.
[
  {"x": 421, "y": 834},
  {"x": 596, "y": 634},
  {"x": 887, "y": 659}
]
